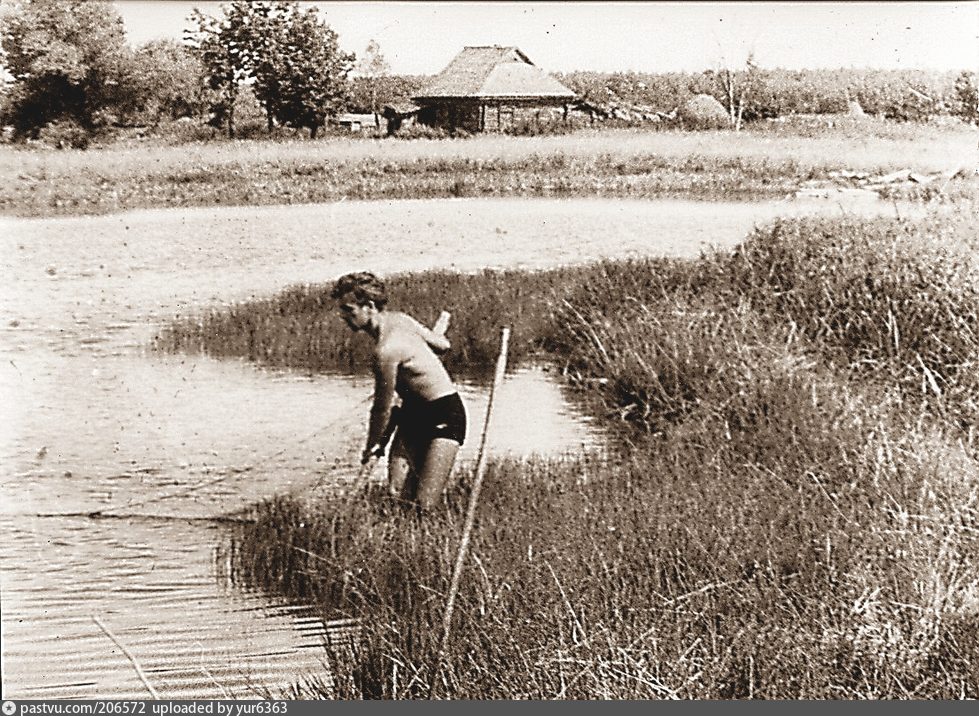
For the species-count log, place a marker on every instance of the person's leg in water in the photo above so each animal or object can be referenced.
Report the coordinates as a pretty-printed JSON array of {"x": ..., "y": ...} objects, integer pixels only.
[
  {"x": 425, "y": 484},
  {"x": 435, "y": 470},
  {"x": 425, "y": 449},
  {"x": 402, "y": 475}
]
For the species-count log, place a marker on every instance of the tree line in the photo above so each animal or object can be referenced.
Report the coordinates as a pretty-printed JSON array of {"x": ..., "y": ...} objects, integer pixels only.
[
  {"x": 68, "y": 62},
  {"x": 904, "y": 95}
]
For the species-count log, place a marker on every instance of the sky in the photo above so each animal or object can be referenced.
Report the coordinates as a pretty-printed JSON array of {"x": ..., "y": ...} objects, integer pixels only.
[{"x": 422, "y": 37}]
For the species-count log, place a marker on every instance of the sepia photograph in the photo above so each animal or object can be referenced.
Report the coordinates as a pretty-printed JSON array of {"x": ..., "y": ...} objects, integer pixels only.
[{"x": 484, "y": 351}]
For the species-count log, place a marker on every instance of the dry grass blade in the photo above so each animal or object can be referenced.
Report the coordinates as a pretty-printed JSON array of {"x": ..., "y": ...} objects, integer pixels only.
[{"x": 132, "y": 659}]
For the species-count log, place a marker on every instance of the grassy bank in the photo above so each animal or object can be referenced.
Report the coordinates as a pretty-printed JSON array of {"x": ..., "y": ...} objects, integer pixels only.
[
  {"x": 792, "y": 510},
  {"x": 761, "y": 163},
  {"x": 696, "y": 568},
  {"x": 299, "y": 327}
]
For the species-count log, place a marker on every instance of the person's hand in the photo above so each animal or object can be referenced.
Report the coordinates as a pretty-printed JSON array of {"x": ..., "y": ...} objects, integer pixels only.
[{"x": 370, "y": 452}]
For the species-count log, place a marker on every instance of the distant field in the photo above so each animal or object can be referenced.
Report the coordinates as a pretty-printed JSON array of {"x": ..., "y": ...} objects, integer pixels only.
[{"x": 760, "y": 163}]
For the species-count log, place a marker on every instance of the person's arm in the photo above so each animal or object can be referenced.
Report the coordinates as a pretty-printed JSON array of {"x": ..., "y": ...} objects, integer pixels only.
[
  {"x": 435, "y": 338},
  {"x": 385, "y": 379}
]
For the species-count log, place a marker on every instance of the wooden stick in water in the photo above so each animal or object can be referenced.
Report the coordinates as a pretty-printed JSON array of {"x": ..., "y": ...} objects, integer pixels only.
[
  {"x": 442, "y": 324},
  {"x": 132, "y": 659},
  {"x": 470, "y": 515}
]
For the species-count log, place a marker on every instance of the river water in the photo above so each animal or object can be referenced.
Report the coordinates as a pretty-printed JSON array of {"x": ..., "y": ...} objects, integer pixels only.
[{"x": 94, "y": 421}]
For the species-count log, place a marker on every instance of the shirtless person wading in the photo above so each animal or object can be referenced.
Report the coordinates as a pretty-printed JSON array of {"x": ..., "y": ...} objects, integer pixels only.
[{"x": 431, "y": 422}]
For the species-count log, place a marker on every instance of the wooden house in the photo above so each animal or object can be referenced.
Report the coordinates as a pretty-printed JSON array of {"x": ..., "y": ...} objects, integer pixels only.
[{"x": 491, "y": 89}]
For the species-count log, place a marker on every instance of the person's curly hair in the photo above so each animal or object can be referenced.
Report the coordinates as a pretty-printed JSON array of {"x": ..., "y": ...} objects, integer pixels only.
[{"x": 365, "y": 287}]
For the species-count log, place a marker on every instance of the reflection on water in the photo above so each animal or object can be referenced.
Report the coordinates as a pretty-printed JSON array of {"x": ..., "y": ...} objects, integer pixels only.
[
  {"x": 154, "y": 585},
  {"x": 92, "y": 422}
]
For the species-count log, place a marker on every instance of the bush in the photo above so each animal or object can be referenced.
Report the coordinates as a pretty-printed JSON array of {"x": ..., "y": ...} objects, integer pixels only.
[{"x": 65, "y": 134}]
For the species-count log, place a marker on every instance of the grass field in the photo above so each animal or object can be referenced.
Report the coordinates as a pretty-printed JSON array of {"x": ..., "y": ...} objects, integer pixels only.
[
  {"x": 760, "y": 163},
  {"x": 790, "y": 508}
]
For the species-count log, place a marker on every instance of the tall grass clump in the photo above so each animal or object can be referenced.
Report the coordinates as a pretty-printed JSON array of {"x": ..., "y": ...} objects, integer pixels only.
[
  {"x": 895, "y": 300},
  {"x": 893, "y": 303},
  {"x": 299, "y": 327},
  {"x": 688, "y": 569}
]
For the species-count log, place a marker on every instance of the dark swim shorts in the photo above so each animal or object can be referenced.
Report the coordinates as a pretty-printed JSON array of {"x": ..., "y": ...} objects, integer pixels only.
[{"x": 443, "y": 417}]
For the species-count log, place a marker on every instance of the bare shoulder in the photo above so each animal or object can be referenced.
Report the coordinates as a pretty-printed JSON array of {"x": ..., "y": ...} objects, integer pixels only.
[
  {"x": 404, "y": 331},
  {"x": 403, "y": 323},
  {"x": 398, "y": 337},
  {"x": 415, "y": 335}
]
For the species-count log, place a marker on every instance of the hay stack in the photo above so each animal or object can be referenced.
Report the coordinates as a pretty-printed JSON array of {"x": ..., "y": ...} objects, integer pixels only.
[
  {"x": 853, "y": 109},
  {"x": 704, "y": 112}
]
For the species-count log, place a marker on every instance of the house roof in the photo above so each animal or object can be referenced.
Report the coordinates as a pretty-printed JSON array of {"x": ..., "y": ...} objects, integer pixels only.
[{"x": 493, "y": 72}]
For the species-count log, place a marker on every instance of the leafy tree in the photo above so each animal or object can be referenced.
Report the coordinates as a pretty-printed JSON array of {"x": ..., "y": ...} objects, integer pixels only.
[
  {"x": 220, "y": 44},
  {"x": 263, "y": 33},
  {"x": 371, "y": 68},
  {"x": 68, "y": 59},
  {"x": 297, "y": 71},
  {"x": 167, "y": 81},
  {"x": 311, "y": 71}
]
